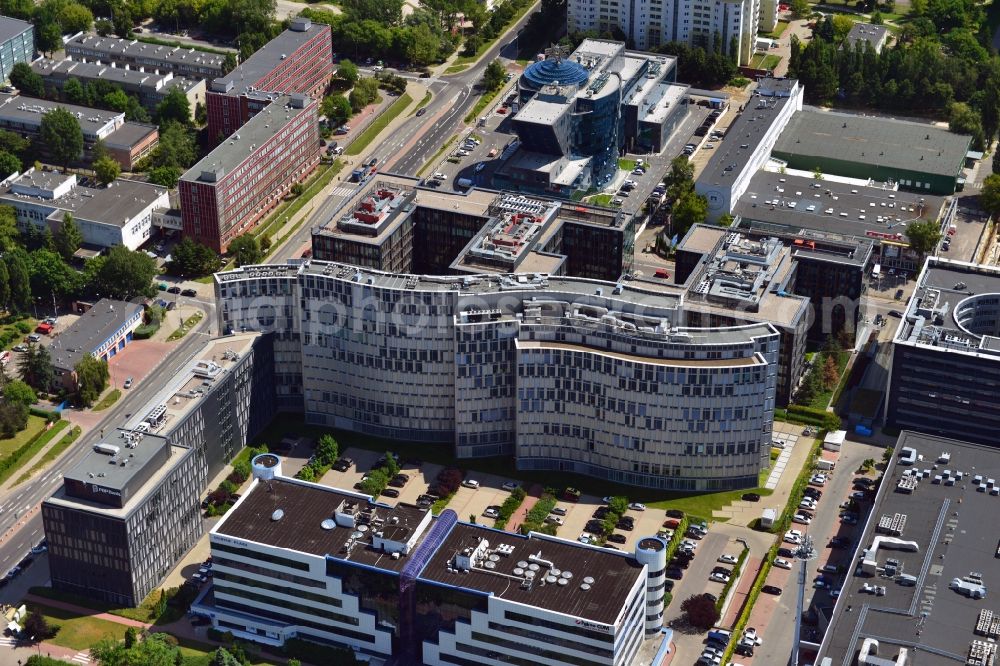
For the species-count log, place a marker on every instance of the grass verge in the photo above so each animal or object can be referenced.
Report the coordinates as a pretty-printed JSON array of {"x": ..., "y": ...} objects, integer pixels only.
[
  {"x": 51, "y": 454},
  {"x": 144, "y": 612},
  {"x": 436, "y": 156},
  {"x": 188, "y": 324},
  {"x": 365, "y": 138},
  {"x": 626, "y": 165},
  {"x": 108, "y": 400},
  {"x": 764, "y": 61},
  {"x": 778, "y": 31},
  {"x": 77, "y": 632},
  {"x": 483, "y": 102},
  {"x": 183, "y": 45},
  {"x": 17, "y": 458},
  {"x": 485, "y": 46},
  {"x": 455, "y": 69},
  {"x": 424, "y": 102},
  {"x": 35, "y": 425},
  {"x": 727, "y": 588}
]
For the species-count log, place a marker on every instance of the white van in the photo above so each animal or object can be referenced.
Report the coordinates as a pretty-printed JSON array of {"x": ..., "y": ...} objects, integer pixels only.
[{"x": 825, "y": 464}]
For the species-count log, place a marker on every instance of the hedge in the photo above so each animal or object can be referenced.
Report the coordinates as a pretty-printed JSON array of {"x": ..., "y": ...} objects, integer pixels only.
[
  {"x": 732, "y": 579},
  {"x": 51, "y": 417},
  {"x": 145, "y": 332},
  {"x": 813, "y": 416},
  {"x": 509, "y": 506},
  {"x": 8, "y": 464},
  {"x": 536, "y": 517}
]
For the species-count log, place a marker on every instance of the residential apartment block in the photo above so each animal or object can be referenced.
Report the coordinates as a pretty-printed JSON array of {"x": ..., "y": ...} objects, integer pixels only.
[
  {"x": 234, "y": 186},
  {"x": 299, "y": 60},
  {"x": 153, "y": 58},
  {"x": 131, "y": 141},
  {"x": 391, "y": 224},
  {"x": 17, "y": 44},
  {"x": 650, "y": 23},
  {"x": 563, "y": 373},
  {"x": 945, "y": 371},
  {"x": 149, "y": 87},
  {"x": 119, "y": 214},
  {"x": 301, "y": 560},
  {"x": 130, "y": 509}
]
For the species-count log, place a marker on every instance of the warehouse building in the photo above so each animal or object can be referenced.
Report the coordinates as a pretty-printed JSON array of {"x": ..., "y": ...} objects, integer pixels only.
[
  {"x": 300, "y": 560},
  {"x": 129, "y": 510},
  {"x": 945, "y": 374},
  {"x": 232, "y": 188},
  {"x": 475, "y": 360},
  {"x": 299, "y": 60},
  {"x": 916, "y": 156}
]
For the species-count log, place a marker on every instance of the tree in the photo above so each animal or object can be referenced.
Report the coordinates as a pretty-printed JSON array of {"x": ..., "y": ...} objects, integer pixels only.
[
  {"x": 61, "y": 135},
  {"x": 37, "y": 627},
  {"x": 51, "y": 275},
  {"x": 230, "y": 62},
  {"x": 336, "y": 108},
  {"x": 9, "y": 164},
  {"x": 962, "y": 119},
  {"x": 107, "y": 169},
  {"x": 327, "y": 450},
  {"x": 831, "y": 373},
  {"x": 192, "y": 259},
  {"x": 680, "y": 179},
  {"x": 74, "y": 18},
  {"x": 700, "y": 611},
  {"x": 4, "y": 287},
  {"x": 618, "y": 505},
  {"x": 800, "y": 8},
  {"x": 35, "y": 367},
  {"x": 375, "y": 483},
  {"x": 811, "y": 387},
  {"x": 68, "y": 238},
  {"x": 27, "y": 81},
  {"x": 347, "y": 71},
  {"x": 175, "y": 107},
  {"x": 923, "y": 235},
  {"x": 125, "y": 274},
  {"x": 176, "y": 147},
  {"x": 448, "y": 481},
  {"x": 167, "y": 176},
  {"x": 19, "y": 393},
  {"x": 691, "y": 209},
  {"x": 73, "y": 91},
  {"x": 19, "y": 280},
  {"x": 494, "y": 75},
  {"x": 391, "y": 465},
  {"x": 15, "y": 144},
  {"x": 222, "y": 657},
  {"x": 989, "y": 195},
  {"x": 245, "y": 249},
  {"x": 91, "y": 379},
  {"x": 153, "y": 650},
  {"x": 131, "y": 637}
]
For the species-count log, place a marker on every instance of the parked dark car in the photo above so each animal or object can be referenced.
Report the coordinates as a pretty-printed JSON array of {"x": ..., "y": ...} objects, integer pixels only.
[
  {"x": 751, "y": 497},
  {"x": 616, "y": 538},
  {"x": 771, "y": 589},
  {"x": 675, "y": 573},
  {"x": 174, "y": 290},
  {"x": 786, "y": 552},
  {"x": 390, "y": 492},
  {"x": 675, "y": 513}
]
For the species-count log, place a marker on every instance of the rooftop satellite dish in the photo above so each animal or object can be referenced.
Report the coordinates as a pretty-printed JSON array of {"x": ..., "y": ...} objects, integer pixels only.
[
  {"x": 277, "y": 515},
  {"x": 328, "y": 524}
]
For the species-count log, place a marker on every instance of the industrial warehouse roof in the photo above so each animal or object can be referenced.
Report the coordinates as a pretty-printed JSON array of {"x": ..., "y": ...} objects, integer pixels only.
[
  {"x": 950, "y": 525},
  {"x": 256, "y": 132},
  {"x": 117, "y": 48},
  {"x": 873, "y": 140},
  {"x": 609, "y": 575}
]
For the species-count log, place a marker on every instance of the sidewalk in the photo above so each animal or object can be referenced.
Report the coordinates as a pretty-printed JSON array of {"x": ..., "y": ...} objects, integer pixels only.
[
  {"x": 734, "y": 605},
  {"x": 515, "y": 522}
]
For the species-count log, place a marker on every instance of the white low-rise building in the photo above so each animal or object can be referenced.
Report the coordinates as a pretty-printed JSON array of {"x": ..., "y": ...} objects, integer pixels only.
[
  {"x": 300, "y": 560},
  {"x": 119, "y": 214}
]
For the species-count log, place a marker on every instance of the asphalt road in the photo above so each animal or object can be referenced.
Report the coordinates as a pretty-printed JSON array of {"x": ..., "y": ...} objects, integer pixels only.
[
  {"x": 454, "y": 93},
  {"x": 23, "y": 499}
]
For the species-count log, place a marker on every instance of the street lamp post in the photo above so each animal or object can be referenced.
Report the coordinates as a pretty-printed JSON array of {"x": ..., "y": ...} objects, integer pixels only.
[{"x": 805, "y": 553}]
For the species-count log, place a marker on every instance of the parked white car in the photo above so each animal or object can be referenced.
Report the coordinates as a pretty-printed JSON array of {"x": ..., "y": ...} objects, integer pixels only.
[
  {"x": 718, "y": 577},
  {"x": 801, "y": 519},
  {"x": 782, "y": 563},
  {"x": 726, "y": 558}
]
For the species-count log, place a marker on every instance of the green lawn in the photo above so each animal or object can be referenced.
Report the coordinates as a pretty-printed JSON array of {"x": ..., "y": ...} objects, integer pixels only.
[
  {"x": 38, "y": 444},
  {"x": 765, "y": 61},
  {"x": 108, "y": 400},
  {"x": 35, "y": 426},
  {"x": 822, "y": 400},
  {"x": 601, "y": 199},
  {"x": 701, "y": 505},
  {"x": 424, "y": 102},
  {"x": 75, "y": 631},
  {"x": 51, "y": 454},
  {"x": 455, "y": 69},
  {"x": 361, "y": 143},
  {"x": 626, "y": 165},
  {"x": 778, "y": 30}
]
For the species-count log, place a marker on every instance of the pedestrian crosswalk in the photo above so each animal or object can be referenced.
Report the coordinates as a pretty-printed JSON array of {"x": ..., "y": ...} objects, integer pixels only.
[
  {"x": 8, "y": 641},
  {"x": 343, "y": 191},
  {"x": 81, "y": 657}
]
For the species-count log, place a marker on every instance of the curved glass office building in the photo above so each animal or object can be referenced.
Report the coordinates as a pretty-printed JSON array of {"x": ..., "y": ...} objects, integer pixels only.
[{"x": 563, "y": 373}]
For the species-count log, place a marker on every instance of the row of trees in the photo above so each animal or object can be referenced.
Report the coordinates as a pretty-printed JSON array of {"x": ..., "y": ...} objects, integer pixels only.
[
  {"x": 688, "y": 207},
  {"x": 932, "y": 69}
]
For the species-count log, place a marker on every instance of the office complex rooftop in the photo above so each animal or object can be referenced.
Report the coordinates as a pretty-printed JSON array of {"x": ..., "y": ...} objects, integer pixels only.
[
  {"x": 236, "y": 149},
  {"x": 264, "y": 60},
  {"x": 28, "y": 111},
  {"x": 930, "y": 521},
  {"x": 833, "y": 206},
  {"x": 561, "y": 576},
  {"x": 116, "y": 204},
  {"x": 747, "y": 131},
  {"x": 875, "y": 35},
  {"x": 874, "y": 140},
  {"x": 128, "y": 78},
  {"x": 953, "y": 307}
]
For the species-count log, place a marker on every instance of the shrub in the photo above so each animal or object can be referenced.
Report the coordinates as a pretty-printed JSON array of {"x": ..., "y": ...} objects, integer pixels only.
[
  {"x": 535, "y": 520},
  {"x": 23, "y": 327},
  {"x": 509, "y": 506},
  {"x": 700, "y": 611}
]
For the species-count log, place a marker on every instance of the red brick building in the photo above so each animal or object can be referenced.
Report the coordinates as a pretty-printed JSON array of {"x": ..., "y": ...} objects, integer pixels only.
[
  {"x": 234, "y": 186},
  {"x": 299, "y": 60}
]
